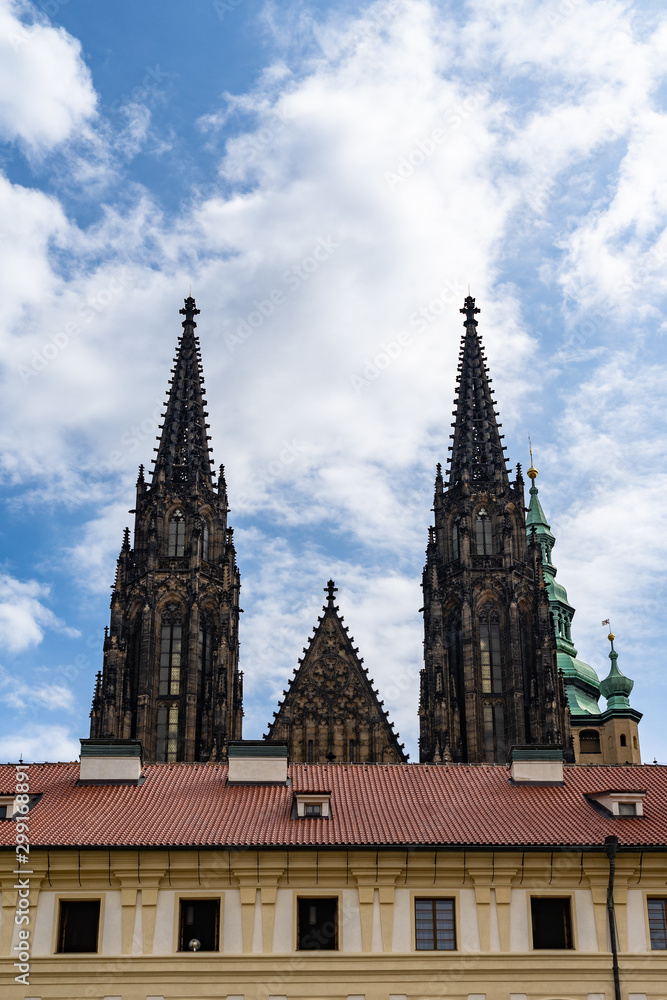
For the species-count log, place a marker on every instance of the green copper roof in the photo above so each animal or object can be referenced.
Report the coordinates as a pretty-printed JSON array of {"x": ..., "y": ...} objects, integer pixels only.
[
  {"x": 616, "y": 687},
  {"x": 582, "y": 684}
]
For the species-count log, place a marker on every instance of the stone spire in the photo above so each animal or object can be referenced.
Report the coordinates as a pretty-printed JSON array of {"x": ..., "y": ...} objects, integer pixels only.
[
  {"x": 331, "y": 711},
  {"x": 170, "y": 675},
  {"x": 183, "y": 452},
  {"x": 476, "y": 451},
  {"x": 490, "y": 677}
]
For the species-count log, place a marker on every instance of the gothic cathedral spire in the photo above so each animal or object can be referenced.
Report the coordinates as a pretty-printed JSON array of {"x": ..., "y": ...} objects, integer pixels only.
[
  {"x": 490, "y": 678},
  {"x": 170, "y": 674}
]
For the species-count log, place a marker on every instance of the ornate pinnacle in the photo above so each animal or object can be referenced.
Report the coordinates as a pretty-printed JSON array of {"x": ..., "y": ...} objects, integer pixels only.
[
  {"x": 330, "y": 590},
  {"x": 470, "y": 311},
  {"x": 190, "y": 311}
]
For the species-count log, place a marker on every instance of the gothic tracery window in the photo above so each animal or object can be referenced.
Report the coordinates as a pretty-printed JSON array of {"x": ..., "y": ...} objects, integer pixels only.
[
  {"x": 204, "y": 656},
  {"x": 455, "y": 539},
  {"x": 494, "y": 731},
  {"x": 171, "y": 649},
  {"x": 483, "y": 534},
  {"x": 489, "y": 648},
  {"x": 177, "y": 534},
  {"x": 205, "y": 532},
  {"x": 167, "y": 733}
]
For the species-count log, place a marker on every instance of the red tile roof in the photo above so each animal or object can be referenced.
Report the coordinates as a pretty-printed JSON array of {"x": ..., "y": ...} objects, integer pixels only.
[{"x": 191, "y": 805}]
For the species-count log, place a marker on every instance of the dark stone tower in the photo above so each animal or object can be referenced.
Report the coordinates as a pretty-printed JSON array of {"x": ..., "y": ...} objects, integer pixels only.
[
  {"x": 490, "y": 677},
  {"x": 331, "y": 711},
  {"x": 170, "y": 674}
]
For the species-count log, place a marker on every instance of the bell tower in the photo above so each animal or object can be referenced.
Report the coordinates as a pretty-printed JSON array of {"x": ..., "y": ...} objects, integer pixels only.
[
  {"x": 490, "y": 678},
  {"x": 170, "y": 672}
]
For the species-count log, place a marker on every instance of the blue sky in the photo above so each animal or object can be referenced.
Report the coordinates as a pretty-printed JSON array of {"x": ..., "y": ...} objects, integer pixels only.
[{"x": 418, "y": 147}]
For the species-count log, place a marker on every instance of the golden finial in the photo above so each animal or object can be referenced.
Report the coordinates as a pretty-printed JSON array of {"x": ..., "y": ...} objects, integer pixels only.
[
  {"x": 532, "y": 471},
  {"x": 611, "y": 635}
]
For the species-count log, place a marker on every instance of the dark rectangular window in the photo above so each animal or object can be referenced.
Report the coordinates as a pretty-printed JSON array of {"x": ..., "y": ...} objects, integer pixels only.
[
  {"x": 313, "y": 809},
  {"x": 318, "y": 924},
  {"x": 79, "y": 925},
  {"x": 657, "y": 923},
  {"x": 434, "y": 925},
  {"x": 351, "y": 753},
  {"x": 3, "y": 812},
  {"x": 552, "y": 925},
  {"x": 200, "y": 920}
]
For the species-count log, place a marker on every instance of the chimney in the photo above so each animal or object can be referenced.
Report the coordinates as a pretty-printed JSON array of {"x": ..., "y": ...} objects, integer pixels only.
[
  {"x": 110, "y": 762},
  {"x": 257, "y": 762},
  {"x": 539, "y": 764}
]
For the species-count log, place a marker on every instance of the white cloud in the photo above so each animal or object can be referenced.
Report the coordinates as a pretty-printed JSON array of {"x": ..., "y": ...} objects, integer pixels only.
[
  {"x": 46, "y": 88},
  {"x": 19, "y": 695},
  {"x": 516, "y": 149},
  {"x": 39, "y": 744},
  {"x": 24, "y": 617}
]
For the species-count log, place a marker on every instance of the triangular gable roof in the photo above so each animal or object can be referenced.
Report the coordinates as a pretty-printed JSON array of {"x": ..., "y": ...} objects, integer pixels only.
[{"x": 330, "y": 711}]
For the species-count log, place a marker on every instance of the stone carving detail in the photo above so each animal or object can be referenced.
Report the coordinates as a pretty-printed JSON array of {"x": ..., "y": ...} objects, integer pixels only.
[
  {"x": 457, "y": 727},
  {"x": 204, "y": 681},
  {"x": 331, "y": 711}
]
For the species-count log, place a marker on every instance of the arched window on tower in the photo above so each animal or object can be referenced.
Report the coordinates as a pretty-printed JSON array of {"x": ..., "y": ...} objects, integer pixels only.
[
  {"x": 204, "y": 539},
  {"x": 526, "y": 670},
  {"x": 489, "y": 648},
  {"x": 167, "y": 733},
  {"x": 177, "y": 534},
  {"x": 483, "y": 534},
  {"x": 494, "y": 732},
  {"x": 589, "y": 741},
  {"x": 205, "y": 657},
  {"x": 171, "y": 648},
  {"x": 455, "y": 539}
]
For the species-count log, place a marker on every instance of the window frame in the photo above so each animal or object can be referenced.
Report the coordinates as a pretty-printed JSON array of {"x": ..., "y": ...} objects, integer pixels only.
[
  {"x": 177, "y": 518},
  {"x": 314, "y": 894},
  {"x": 572, "y": 919},
  {"x": 434, "y": 899},
  {"x": 197, "y": 897},
  {"x": 433, "y": 892},
  {"x": 652, "y": 897},
  {"x": 78, "y": 897},
  {"x": 599, "y": 741},
  {"x": 484, "y": 528}
]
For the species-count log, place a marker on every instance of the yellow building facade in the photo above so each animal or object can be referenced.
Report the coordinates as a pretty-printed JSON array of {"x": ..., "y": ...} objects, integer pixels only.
[{"x": 401, "y": 921}]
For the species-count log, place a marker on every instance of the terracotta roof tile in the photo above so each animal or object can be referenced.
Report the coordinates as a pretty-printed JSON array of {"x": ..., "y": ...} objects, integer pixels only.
[{"x": 181, "y": 805}]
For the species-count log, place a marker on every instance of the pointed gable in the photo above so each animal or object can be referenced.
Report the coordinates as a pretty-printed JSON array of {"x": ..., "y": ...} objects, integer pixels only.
[{"x": 330, "y": 711}]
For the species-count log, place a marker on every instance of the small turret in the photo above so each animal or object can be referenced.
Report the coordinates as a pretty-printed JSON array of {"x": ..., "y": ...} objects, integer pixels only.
[
  {"x": 620, "y": 734},
  {"x": 616, "y": 687}
]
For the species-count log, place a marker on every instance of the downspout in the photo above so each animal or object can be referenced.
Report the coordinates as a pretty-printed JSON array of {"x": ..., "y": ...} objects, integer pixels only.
[{"x": 611, "y": 846}]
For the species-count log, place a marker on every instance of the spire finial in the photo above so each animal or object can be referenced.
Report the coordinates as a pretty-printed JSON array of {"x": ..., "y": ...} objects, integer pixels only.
[
  {"x": 190, "y": 311},
  {"x": 611, "y": 635},
  {"x": 532, "y": 471},
  {"x": 470, "y": 310},
  {"x": 330, "y": 590}
]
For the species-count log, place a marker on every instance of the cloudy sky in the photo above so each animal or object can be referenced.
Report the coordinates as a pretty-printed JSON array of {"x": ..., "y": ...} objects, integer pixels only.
[{"x": 367, "y": 162}]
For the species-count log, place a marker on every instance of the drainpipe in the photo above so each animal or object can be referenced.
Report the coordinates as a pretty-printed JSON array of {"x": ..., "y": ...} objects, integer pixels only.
[{"x": 611, "y": 846}]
